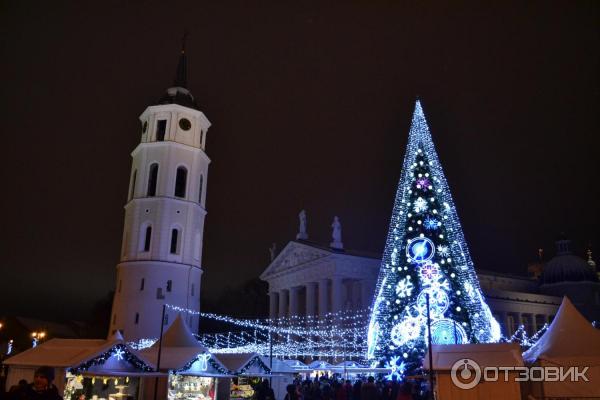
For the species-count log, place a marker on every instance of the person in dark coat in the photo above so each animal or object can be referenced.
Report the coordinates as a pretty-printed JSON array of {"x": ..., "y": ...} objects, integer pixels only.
[
  {"x": 41, "y": 388},
  {"x": 291, "y": 392},
  {"x": 369, "y": 390},
  {"x": 264, "y": 391}
]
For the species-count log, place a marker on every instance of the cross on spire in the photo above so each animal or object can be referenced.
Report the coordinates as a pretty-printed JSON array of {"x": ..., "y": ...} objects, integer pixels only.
[{"x": 181, "y": 74}]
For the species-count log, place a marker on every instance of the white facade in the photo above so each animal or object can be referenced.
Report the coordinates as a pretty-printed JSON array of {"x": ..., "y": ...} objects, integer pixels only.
[
  {"x": 308, "y": 279},
  {"x": 161, "y": 255}
]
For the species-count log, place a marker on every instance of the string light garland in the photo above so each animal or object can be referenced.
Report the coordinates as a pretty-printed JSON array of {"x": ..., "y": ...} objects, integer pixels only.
[
  {"x": 224, "y": 371},
  {"x": 118, "y": 351},
  {"x": 425, "y": 254}
]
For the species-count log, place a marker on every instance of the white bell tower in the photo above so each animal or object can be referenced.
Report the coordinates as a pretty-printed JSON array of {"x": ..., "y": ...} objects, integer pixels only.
[{"x": 161, "y": 256}]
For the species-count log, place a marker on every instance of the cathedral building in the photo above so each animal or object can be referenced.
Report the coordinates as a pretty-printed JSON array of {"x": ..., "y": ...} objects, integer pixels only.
[
  {"x": 307, "y": 278},
  {"x": 161, "y": 256}
]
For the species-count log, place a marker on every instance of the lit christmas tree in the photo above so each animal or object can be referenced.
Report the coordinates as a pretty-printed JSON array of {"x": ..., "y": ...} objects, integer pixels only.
[{"x": 425, "y": 254}]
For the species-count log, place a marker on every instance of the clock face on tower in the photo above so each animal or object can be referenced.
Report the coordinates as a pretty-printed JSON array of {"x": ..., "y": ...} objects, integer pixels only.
[{"x": 185, "y": 124}]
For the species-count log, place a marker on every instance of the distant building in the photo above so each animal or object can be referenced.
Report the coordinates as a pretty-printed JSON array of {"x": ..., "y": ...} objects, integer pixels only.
[{"x": 306, "y": 278}]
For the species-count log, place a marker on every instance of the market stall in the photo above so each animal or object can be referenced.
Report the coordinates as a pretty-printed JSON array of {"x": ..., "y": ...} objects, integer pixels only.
[
  {"x": 570, "y": 341},
  {"x": 476, "y": 357},
  {"x": 114, "y": 374},
  {"x": 89, "y": 367},
  {"x": 249, "y": 370},
  {"x": 320, "y": 368},
  {"x": 193, "y": 373}
]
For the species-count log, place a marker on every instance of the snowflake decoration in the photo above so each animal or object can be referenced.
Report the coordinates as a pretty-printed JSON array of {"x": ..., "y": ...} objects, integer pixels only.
[
  {"x": 405, "y": 331},
  {"x": 404, "y": 287},
  {"x": 420, "y": 205},
  {"x": 119, "y": 353},
  {"x": 443, "y": 251},
  {"x": 397, "y": 368},
  {"x": 423, "y": 183},
  {"x": 429, "y": 272},
  {"x": 431, "y": 224},
  {"x": 440, "y": 283}
]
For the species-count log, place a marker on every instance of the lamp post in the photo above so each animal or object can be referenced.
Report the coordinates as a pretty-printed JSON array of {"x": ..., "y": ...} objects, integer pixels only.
[{"x": 37, "y": 337}]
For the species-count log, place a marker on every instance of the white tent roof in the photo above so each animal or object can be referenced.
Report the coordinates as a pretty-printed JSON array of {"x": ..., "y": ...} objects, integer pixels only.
[
  {"x": 349, "y": 364},
  {"x": 71, "y": 353},
  {"x": 484, "y": 354},
  {"x": 279, "y": 366},
  {"x": 569, "y": 340},
  {"x": 179, "y": 346},
  {"x": 234, "y": 361},
  {"x": 296, "y": 364},
  {"x": 61, "y": 352},
  {"x": 317, "y": 364}
]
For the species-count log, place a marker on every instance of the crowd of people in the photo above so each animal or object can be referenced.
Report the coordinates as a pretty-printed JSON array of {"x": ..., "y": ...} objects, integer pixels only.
[
  {"x": 338, "y": 389},
  {"x": 41, "y": 388}
]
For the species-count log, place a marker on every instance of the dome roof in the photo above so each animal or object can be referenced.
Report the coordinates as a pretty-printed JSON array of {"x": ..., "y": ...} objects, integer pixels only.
[
  {"x": 179, "y": 92},
  {"x": 178, "y": 95},
  {"x": 566, "y": 267}
]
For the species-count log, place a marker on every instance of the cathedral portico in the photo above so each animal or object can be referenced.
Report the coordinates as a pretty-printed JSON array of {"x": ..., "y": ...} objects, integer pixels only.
[{"x": 308, "y": 279}]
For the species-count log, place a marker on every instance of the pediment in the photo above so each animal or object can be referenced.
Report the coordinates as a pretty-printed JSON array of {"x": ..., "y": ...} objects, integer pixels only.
[{"x": 293, "y": 255}]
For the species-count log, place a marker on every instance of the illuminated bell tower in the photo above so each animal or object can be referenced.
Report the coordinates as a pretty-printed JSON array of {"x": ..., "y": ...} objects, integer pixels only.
[{"x": 161, "y": 256}]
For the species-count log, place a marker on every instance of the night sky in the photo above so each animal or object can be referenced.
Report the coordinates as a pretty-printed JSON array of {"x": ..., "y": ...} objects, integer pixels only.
[{"x": 310, "y": 105}]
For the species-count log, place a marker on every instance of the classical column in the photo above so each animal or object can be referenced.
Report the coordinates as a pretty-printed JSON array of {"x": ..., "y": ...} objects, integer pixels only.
[
  {"x": 337, "y": 294},
  {"x": 529, "y": 323},
  {"x": 311, "y": 297},
  {"x": 323, "y": 297},
  {"x": 365, "y": 293},
  {"x": 273, "y": 304},
  {"x": 537, "y": 326},
  {"x": 294, "y": 300},
  {"x": 356, "y": 295},
  {"x": 519, "y": 318},
  {"x": 502, "y": 320},
  {"x": 283, "y": 303},
  {"x": 508, "y": 325}
]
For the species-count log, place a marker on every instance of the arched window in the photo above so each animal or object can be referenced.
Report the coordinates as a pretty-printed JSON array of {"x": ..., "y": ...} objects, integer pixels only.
[
  {"x": 142, "y": 284},
  {"x": 200, "y": 187},
  {"x": 132, "y": 189},
  {"x": 161, "y": 129},
  {"x": 137, "y": 318},
  {"x": 148, "y": 238},
  {"x": 180, "y": 182},
  {"x": 175, "y": 241},
  {"x": 152, "y": 179}
]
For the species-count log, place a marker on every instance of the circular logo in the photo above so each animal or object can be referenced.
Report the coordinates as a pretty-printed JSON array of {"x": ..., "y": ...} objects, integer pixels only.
[
  {"x": 420, "y": 250},
  {"x": 465, "y": 373}
]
